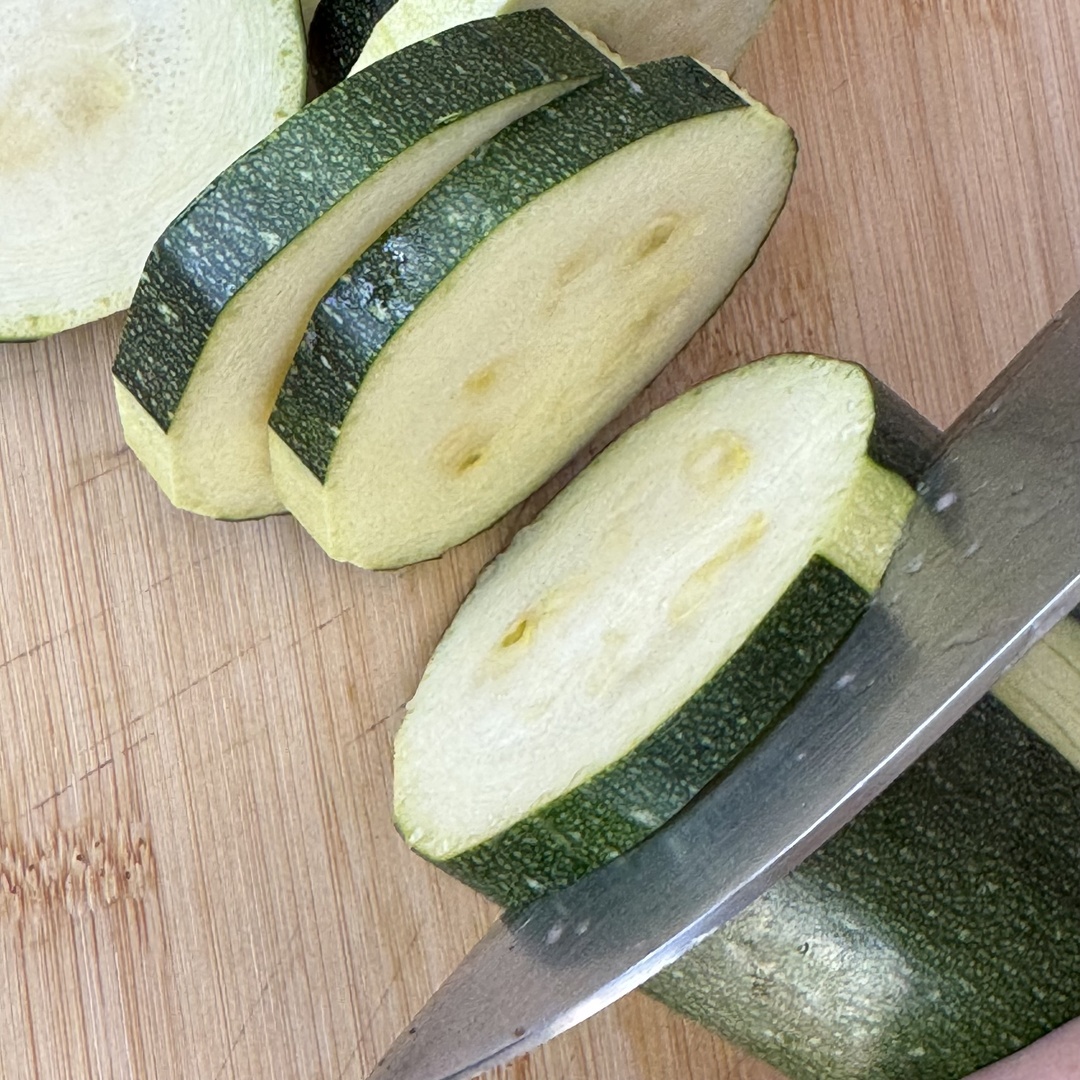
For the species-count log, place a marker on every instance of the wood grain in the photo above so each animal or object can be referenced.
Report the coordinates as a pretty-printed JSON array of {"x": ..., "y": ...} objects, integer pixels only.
[{"x": 200, "y": 875}]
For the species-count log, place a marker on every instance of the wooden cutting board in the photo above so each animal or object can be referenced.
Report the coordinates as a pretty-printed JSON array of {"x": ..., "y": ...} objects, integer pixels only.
[{"x": 198, "y": 873}]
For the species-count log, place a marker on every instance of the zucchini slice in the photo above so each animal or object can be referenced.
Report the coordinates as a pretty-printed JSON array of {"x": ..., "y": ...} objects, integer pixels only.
[
  {"x": 229, "y": 289},
  {"x": 656, "y": 618},
  {"x": 938, "y": 932},
  {"x": 519, "y": 306},
  {"x": 114, "y": 114},
  {"x": 362, "y": 31},
  {"x": 339, "y": 31}
]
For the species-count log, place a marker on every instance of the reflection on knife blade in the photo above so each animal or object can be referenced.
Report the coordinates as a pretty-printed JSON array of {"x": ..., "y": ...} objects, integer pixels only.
[
  {"x": 937, "y": 931},
  {"x": 996, "y": 537}
]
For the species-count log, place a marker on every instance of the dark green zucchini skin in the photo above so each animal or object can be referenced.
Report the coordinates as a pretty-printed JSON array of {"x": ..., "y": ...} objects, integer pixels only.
[
  {"x": 903, "y": 441},
  {"x": 705, "y": 736},
  {"x": 935, "y": 934},
  {"x": 531, "y": 156},
  {"x": 338, "y": 33},
  {"x": 311, "y": 162}
]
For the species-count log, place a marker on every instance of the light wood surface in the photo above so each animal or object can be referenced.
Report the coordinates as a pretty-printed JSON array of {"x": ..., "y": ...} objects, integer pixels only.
[{"x": 198, "y": 873}]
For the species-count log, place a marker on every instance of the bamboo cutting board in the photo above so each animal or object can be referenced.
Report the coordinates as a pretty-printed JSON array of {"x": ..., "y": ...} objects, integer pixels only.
[{"x": 198, "y": 873}]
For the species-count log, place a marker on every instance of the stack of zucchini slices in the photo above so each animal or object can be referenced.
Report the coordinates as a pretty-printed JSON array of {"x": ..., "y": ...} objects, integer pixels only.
[
  {"x": 228, "y": 290},
  {"x": 439, "y": 280}
]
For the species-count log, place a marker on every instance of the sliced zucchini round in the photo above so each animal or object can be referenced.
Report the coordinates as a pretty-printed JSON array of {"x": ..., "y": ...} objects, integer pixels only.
[
  {"x": 114, "y": 114},
  {"x": 655, "y": 619},
  {"x": 228, "y": 290},
  {"x": 715, "y": 31},
  {"x": 938, "y": 932},
  {"x": 519, "y": 306}
]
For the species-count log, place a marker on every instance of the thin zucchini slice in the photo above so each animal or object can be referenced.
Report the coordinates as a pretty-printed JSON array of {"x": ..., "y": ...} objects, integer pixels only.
[
  {"x": 655, "y": 619},
  {"x": 230, "y": 287},
  {"x": 362, "y": 31},
  {"x": 519, "y": 306},
  {"x": 114, "y": 114},
  {"x": 938, "y": 932}
]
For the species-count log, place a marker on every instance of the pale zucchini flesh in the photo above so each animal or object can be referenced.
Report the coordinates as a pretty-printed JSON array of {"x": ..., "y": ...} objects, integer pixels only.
[
  {"x": 655, "y": 620},
  {"x": 716, "y": 31},
  {"x": 937, "y": 933},
  {"x": 229, "y": 289},
  {"x": 519, "y": 306},
  {"x": 1044, "y": 689},
  {"x": 114, "y": 114}
]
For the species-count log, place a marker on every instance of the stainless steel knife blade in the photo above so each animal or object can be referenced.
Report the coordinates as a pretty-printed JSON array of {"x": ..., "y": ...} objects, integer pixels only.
[{"x": 989, "y": 561}]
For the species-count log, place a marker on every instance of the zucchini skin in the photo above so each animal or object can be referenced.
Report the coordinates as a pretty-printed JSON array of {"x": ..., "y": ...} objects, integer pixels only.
[
  {"x": 603, "y": 817},
  {"x": 378, "y": 294},
  {"x": 338, "y": 33},
  {"x": 275, "y": 191},
  {"x": 903, "y": 440},
  {"x": 947, "y": 917}
]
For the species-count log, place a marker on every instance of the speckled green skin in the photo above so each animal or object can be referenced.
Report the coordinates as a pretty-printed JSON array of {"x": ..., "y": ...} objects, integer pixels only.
[
  {"x": 393, "y": 277},
  {"x": 938, "y": 932},
  {"x": 312, "y": 161},
  {"x": 338, "y": 33},
  {"x": 602, "y": 818}
]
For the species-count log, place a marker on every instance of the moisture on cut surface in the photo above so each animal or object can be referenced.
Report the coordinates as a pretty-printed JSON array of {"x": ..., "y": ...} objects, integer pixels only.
[
  {"x": 113, "y": 115},
  {"x": 634, "y": 587}
]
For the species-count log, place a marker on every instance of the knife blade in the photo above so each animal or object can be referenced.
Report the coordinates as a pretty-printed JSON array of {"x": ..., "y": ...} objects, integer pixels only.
[{"x": 989, "y": 561}]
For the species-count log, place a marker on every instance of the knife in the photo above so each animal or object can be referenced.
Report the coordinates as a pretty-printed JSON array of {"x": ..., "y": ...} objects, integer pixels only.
[{"x": 989, "y": 561}]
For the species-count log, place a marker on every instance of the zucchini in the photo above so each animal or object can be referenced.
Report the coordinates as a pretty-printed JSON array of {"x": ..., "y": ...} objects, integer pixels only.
[
  {"x": 940, "y": 930},
  {"x": 359, "y": 32},
  {"x": 656, "y": 618},
  {"x": 339, "y": 31},
  {"x": 229, "y": 288},
  {"x": 113, "y": 116},
  {"x": 519, "y": 306}
]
